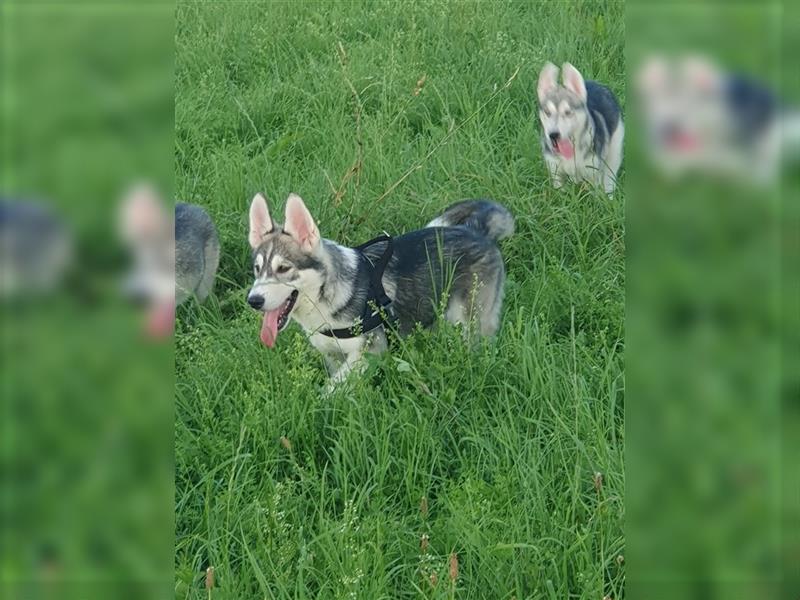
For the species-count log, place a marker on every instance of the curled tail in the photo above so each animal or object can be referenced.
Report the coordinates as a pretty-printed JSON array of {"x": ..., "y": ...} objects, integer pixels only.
[{"x": 484, "y": 216}]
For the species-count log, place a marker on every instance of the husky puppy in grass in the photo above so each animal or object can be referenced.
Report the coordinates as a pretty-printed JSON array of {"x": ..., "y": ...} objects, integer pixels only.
[
  {"x": 332, "y": 290},
  {"x": 582, "y": 128}
]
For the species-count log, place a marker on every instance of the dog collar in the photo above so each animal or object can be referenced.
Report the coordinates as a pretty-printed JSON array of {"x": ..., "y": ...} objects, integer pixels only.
[{"x": 378, "y": 309}]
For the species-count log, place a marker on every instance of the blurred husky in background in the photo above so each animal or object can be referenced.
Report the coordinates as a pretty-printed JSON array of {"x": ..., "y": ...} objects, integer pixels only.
[
  {"x": 35, "y": 248},
  {"x": 700, "y": 118},
  {"x": 346, "y": 298},
  {"x": 582, "y": 128},
  {"x": 174, "y": 256}
]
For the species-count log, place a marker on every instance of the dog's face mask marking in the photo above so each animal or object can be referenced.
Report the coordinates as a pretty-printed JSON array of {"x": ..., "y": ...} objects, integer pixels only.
[
  {"x": 286, "y": 263},
  {"x": 562, "y": 108},
  {"x": 684, "y": 105}
]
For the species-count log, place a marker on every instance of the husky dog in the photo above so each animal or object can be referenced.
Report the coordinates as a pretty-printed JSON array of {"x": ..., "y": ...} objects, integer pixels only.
[
  {"x": 35, "y": 248},
  {"x": 701, "y": 118},
  {"x": 174, "y": 258},
  {"x": 332, "y": 290},
  {"x": 582, "y": 128}
]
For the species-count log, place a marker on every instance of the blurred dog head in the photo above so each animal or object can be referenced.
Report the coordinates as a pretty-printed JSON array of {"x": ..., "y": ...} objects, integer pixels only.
[
  {"x": 683, "y": 103},
  {"x": 698, "y": 117},
  {"x": 147, "y": 229}
]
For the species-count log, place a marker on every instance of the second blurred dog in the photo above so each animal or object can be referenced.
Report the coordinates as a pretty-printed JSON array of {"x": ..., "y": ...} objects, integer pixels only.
[
  {"x": 175, "y": 256},
  {"x": 700, "y": 118}
]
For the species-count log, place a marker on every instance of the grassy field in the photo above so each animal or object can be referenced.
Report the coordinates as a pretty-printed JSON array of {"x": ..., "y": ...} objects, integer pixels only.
[{"x": 507, "y": 459}]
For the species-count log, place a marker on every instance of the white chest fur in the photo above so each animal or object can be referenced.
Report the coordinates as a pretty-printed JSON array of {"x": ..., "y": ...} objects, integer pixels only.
[
  {"x": 582, "y": 166},
  {"x": 585, "y": 165}
]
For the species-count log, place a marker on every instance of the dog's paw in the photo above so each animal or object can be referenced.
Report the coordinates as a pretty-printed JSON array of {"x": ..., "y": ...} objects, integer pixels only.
[
  {"x": 334, "y": 384},
  {"x": 329, "y": 389}
]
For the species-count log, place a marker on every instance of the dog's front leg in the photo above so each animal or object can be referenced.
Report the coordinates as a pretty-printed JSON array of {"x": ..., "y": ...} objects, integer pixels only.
[
  {"x": 609, "y": 181},
  {"x": 352, "y": 362},
  {"x": 609, "y": 185},
  {"x": 332, "y": 364},
  {"x": 557, "y": 176}
]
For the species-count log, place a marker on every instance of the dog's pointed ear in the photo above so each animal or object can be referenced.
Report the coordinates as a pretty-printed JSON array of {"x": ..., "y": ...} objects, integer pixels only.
[
  {"x": 653, "y": 75},
  {"x": 573, "y": 81},
  {"x": 701, "y": 73},
  {"x": 548, "y": 80},
  {"x": 300, "y": 224},
  {"x": 142, "y": 214},
  {"x": 260, "y": 221}
]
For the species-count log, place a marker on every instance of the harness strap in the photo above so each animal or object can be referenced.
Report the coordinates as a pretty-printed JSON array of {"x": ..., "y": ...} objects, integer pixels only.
[{"x": 378, "y": 306}]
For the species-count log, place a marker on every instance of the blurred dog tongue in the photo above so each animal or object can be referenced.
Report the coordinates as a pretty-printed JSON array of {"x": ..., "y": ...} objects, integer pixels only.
[
  {"x": 684, "y": 142},
  {"x": 565, "y": 148},
  {"x": 161, "y": 320},
  {"x": 269, "y": 328}
]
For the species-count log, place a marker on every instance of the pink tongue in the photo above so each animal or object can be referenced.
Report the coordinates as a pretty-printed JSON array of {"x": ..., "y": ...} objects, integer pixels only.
[
  {"x": 685, "y": 142},
  {"x": 269, "y": 328},
  {"x": 161, "y": 320},
  {"x": 565, "y": 148}
]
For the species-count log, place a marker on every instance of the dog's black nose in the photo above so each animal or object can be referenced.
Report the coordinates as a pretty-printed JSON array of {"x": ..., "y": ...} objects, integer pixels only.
[
  {"x": 255, "y": 301},
  {"x": 554, "y": 135}
]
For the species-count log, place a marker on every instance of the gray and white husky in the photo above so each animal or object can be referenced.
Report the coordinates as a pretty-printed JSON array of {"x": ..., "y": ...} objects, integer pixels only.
[
  {"x": 329, "y": 289},
  {"x": 174, "y": 257},
  {"x": 582, "y": 128},
  {"x": 702, "y": 118}
]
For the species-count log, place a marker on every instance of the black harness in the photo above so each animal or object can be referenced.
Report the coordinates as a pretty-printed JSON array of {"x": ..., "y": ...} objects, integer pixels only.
[{"x": 378, "y": 306}]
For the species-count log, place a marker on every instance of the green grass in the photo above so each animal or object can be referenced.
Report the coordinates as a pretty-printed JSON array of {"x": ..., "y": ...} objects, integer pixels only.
[{"x": 291, "y": 495}]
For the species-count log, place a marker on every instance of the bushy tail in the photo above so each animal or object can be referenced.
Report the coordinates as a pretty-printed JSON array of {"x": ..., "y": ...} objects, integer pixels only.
[{"x": 484, "y": 216}]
